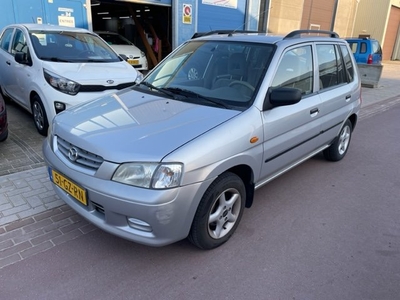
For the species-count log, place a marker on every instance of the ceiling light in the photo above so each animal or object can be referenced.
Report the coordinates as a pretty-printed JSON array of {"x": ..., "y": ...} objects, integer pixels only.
[{"x": 103, "y": 13}]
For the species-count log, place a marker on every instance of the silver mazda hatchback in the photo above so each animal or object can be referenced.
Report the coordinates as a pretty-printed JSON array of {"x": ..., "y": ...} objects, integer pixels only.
[{"x": 181, "y": 154}]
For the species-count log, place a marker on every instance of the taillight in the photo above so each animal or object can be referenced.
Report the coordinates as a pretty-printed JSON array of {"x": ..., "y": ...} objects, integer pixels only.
[{"x": 369, "y": 61}]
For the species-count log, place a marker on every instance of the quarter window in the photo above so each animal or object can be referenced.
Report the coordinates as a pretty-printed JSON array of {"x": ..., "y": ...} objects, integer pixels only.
[
  {"x": 331, "y": 70},
  {"x": 349, "y": 67},
  {"x": 295, "y": 70}
]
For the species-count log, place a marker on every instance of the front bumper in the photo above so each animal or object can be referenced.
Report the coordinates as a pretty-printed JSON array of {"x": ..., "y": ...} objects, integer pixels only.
[{"x": 149, "y": 217}]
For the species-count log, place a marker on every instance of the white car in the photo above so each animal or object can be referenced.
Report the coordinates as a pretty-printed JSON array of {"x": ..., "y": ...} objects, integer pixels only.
[
  {"x": 47, "y": 68},
  {"x": 125, "y": 48}
]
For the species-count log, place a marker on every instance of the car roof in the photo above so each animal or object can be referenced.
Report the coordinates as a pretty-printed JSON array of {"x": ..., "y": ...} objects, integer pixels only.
[{"x": 48, "y": 27}]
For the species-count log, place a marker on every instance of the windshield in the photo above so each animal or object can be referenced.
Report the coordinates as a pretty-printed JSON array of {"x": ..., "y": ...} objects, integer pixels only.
[
  {"x": 228, "y": 73},
  {"x": 69, "y": 46}
]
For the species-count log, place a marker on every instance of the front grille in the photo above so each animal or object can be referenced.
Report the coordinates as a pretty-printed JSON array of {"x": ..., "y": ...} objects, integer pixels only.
[
  {"x": 81, "y": 157},
  {"x": 101, "y": 88}
]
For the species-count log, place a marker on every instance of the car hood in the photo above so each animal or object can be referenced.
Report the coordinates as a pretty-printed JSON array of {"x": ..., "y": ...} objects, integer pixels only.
[
  {"x": 127, "y": 50},
  {"x": 135, "y": 126},
  {"x": 94, "y": 73}
]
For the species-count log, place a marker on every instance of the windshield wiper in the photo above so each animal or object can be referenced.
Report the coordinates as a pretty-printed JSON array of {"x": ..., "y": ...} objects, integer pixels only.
[
  {"x": 188, "y": 94},
  {"x": 162, "y": 90},
  {"x": 56, "y": 59}
]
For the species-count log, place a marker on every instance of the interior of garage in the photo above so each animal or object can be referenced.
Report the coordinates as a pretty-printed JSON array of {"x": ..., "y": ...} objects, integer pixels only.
[{"x": 148, "y": 26}]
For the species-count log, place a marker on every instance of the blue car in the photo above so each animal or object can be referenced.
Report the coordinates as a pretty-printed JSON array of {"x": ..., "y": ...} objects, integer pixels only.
[{"x": 366, "y": 50}]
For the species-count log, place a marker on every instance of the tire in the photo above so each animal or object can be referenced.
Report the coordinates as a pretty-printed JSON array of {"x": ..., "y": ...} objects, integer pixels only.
[
  {"x": 219, "y": 212},
  {"x": 5, "y": 97},
  {"x": 339, "y": 148},
  {"x": 39, "y": 115}
]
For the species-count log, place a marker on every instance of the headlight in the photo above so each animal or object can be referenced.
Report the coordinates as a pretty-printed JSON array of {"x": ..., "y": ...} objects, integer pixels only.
[
  {"x": 139, "y": 77},
  {"x": 149, "y": 175},
  {"x": 61, "y": 84},
  {"x": 142, "y": 54}
]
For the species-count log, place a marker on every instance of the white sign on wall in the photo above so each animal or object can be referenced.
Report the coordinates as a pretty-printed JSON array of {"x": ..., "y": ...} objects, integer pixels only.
[
  {"x": 224, "y": 3},
  {"x": 66, "y": 21}
]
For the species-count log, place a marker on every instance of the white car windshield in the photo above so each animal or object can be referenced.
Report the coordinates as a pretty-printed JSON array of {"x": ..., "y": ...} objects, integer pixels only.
[{"x": 70, "y": 46}]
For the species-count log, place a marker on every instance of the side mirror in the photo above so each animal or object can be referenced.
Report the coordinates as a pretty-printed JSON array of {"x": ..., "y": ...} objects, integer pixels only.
[
  {"x": 284, "y": 96},
  {"x": 22, "y": 58},
  {"x": 124, "y": 57}
]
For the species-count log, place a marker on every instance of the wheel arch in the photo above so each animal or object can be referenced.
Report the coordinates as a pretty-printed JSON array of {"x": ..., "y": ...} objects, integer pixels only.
[
  {"x": 245, "y": 173},
  {"x": 353, "y": 119}
]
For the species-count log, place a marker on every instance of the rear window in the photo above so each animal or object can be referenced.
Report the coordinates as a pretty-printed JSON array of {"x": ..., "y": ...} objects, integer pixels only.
[{"x": 376, "y": 48}]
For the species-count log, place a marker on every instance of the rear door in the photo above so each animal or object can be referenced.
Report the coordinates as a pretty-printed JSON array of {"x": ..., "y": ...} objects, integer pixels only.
[
  {"x": 291, "y": 132},
  {"x": 6, "y": 59},
  {"x": 21, "y": 75},
  {"x": 339, "y": 89}
]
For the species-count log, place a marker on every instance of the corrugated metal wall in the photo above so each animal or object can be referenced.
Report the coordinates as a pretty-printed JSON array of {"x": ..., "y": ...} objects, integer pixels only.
[
  {"x": 371, "y": 18},
  {"x": 31, "y": 11},
  {"x": 214, "y": 17}
]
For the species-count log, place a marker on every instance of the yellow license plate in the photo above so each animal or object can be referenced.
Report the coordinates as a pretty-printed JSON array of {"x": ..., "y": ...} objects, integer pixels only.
[
  {"x": 133, "y": 61},
  {"x": 71, "y": 188}
]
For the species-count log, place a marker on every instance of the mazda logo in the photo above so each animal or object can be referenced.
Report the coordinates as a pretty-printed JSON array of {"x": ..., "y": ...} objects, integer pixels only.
[
  {"x": 73, "y": 154},
  {"x": 110, "y": 81}
]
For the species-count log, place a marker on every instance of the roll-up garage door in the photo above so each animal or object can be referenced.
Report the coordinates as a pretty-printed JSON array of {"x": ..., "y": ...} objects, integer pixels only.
[{"x": 221, "y": 14}]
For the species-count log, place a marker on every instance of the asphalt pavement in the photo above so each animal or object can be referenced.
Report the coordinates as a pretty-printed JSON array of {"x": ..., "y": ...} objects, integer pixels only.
[{"x": 33, "y": 219}]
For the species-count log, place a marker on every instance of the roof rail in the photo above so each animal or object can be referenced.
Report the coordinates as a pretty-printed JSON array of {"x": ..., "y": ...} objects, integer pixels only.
[
  {"x": 224, "y": 31},
  {"x": 298, "y": 33}
]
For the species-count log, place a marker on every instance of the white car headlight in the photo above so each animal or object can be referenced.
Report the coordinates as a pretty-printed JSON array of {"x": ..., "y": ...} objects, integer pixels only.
[
  {"x": 149, "y": 175},
  {"x": 61, "y": 84}
]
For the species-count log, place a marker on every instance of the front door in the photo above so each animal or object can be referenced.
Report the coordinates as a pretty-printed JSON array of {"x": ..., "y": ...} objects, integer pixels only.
[{"x": 290, "y": 132}]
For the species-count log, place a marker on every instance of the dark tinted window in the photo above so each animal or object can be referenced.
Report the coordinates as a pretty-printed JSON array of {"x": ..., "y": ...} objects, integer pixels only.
[
  {"x": 353, "y": 47},
  {"x": 363, "y": 47},
  {"x": 331, "y": 69},
  {"x": 349, "y": 67}
]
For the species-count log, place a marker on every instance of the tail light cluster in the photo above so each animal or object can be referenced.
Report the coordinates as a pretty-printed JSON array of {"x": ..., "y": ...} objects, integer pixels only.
[{"x": 369, "y": 60}]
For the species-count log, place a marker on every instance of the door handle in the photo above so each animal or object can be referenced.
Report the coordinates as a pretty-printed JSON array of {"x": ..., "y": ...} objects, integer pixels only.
[
  {"x": 314, "y": 112},
  {"x": 8, "y": 62},
  {"x": 348, "y": 97}
]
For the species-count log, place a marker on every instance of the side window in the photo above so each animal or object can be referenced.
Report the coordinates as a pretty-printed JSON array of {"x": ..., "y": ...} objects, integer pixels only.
[
  {"x": 331, "y": 70},
  {"x": 6, "y": 39},
  {"x": 349, "y": 67},
  {"x": 295, "y": 70},
  {"x": 363, "y": 47},
  {"x": 19, "y": 43},
  {"x": 353, "y": 47}
]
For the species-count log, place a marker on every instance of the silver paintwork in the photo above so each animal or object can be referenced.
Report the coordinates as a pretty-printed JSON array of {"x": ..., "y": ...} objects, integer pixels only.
[{"x": 146, "y": 126}]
